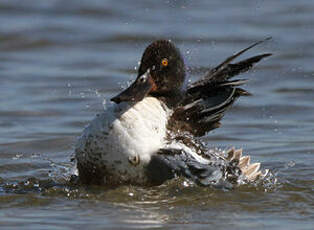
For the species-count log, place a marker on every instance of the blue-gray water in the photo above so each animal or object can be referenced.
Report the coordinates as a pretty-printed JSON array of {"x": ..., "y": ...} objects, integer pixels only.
[{"x": 60, "y": 59}]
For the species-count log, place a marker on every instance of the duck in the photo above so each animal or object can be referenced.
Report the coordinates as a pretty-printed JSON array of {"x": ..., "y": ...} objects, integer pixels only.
[{"x": 151, "y": 131}]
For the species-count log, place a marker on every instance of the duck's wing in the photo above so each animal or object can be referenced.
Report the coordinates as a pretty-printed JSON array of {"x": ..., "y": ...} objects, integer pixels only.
[
  {"x": 206, "y": 100},
  {"x": 228, "y": 170},
  {"x": 170, "y": 163}
]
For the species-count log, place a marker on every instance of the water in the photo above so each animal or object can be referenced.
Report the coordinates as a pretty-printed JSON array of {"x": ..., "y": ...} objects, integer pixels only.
[{"x": 60, "y": 59}]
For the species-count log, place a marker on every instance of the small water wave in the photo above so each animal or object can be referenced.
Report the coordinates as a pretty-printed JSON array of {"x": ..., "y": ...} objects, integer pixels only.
[{"x": 54, "y": 57}]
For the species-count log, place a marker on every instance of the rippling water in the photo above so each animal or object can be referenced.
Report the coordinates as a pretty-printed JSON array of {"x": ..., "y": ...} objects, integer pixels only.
[{"x": 60, "y": 59}]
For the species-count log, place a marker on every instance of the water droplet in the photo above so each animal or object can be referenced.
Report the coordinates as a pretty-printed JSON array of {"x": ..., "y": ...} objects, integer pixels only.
[
  {"x": 104, "y": 104},
  {"x": 185, "y": 184},
  {"x": 17, "y": 156},
  {"x": 97, "y": 93},
  {"x": 290, "y": 164}
]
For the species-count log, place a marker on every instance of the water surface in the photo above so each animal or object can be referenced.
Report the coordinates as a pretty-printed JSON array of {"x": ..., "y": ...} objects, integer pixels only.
[{"x": 60, "y": 59}]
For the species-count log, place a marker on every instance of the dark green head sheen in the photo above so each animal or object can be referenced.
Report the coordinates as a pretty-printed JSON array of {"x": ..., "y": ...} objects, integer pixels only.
[{"x": 161, "y": 73}]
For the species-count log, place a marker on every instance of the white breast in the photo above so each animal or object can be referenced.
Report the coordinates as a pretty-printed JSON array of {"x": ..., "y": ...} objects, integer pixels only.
[{"x": 121, "y": 133}]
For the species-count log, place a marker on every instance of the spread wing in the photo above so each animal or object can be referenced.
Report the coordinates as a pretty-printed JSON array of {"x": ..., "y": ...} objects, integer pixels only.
[
  {"x": 223, "y": 172},
  {"x": 206, "y": 100},
  {"x": 169, "y": 163}
]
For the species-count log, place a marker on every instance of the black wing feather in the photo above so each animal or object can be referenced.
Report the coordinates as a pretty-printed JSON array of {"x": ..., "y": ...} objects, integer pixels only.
[
  {"x": 206, "y": 100},
  {"x": 225, "y": 70}
]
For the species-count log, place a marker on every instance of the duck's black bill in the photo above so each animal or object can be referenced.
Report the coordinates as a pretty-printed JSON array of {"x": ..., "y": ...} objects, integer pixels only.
[{"x": 142, "y": 86}]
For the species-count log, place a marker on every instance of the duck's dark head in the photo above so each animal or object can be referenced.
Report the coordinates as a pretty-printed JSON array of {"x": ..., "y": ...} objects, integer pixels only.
[{"x": 161, "y": 73}]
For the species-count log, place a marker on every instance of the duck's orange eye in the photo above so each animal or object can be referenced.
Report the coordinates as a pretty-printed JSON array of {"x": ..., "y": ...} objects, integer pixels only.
[{"x": 164, "y": 62}]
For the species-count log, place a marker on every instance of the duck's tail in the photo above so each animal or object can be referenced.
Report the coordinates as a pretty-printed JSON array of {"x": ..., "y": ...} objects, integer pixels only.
[{"x": 251, "y": 172}]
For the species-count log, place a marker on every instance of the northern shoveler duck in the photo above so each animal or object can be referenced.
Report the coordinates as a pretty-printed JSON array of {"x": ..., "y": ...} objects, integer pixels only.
[{"x": 151, "y": 132}]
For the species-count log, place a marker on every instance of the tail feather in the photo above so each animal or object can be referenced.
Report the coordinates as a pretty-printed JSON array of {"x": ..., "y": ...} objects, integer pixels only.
[
  {"x": 230, "y": 153},
  {"x": 237, "y": 154},
  {"x": 244, "y": 161},
  {"x": 251, "y": 172}
]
